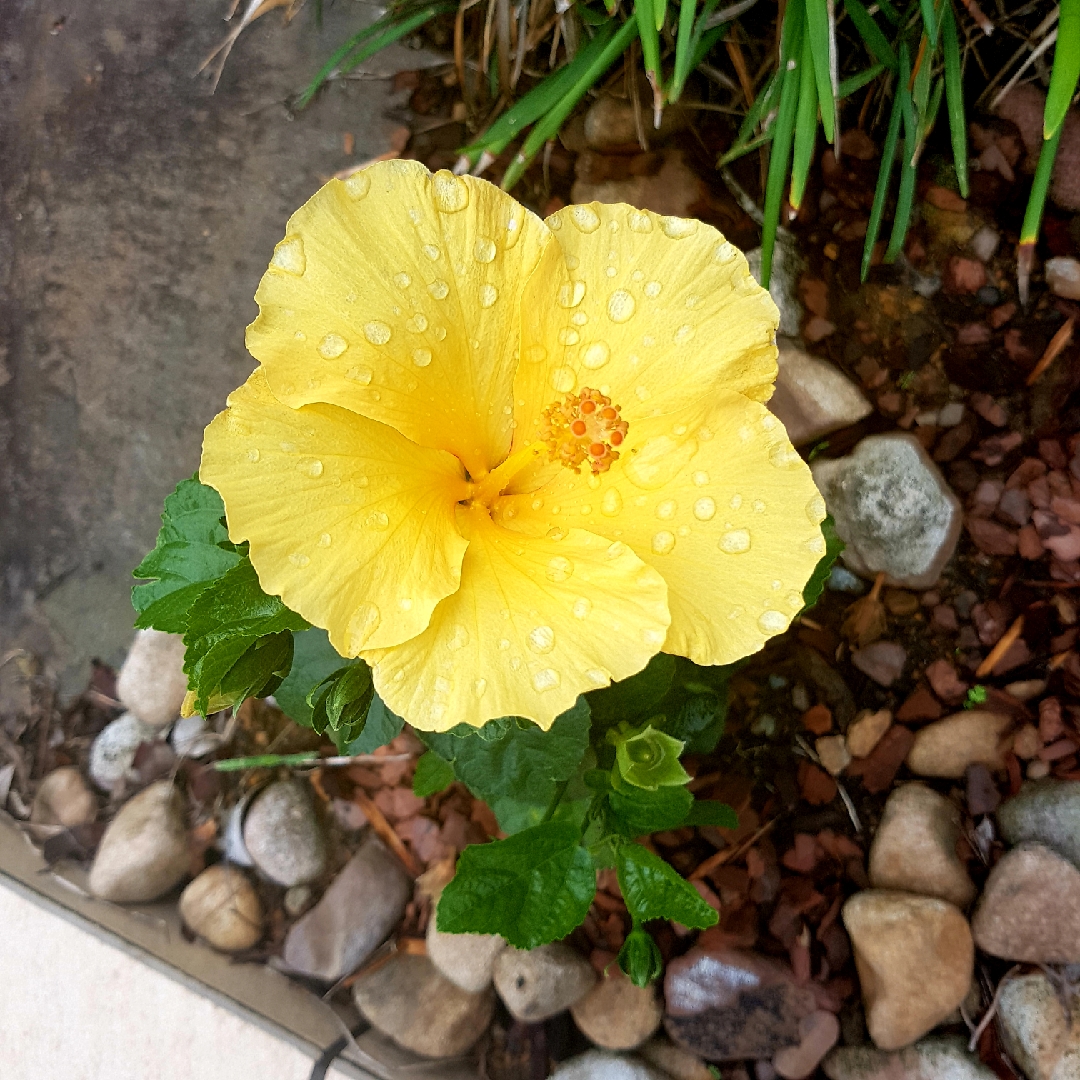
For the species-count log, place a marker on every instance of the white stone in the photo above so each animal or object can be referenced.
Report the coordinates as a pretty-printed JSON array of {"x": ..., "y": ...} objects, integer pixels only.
[
  {"x": 604, "y": 1065},
  {"x": 787, "y": 268},
  {"x": 984, "y": 243},
  {"x": 939, "y": 1058},
  {"x": 1035, "y": 1030},
  {"x": 191, "y": 737},
  {"x": 152, "y": 683},
  {"x": 113, "y": 749},
  {"x": 813, "y": 398},
  {"x": 63, "y": 799},
  {"x": 538, "y": 983},
  {"x": 1063, "y": 277},
  {"x": 283, "y": 836},
  {"x": 467, "y": 960},
  {"x": 892, "y": 509},
  {"x": 951, "y": 414}
]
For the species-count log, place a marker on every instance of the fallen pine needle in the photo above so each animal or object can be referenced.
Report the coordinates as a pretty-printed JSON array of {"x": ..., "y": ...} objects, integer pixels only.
[
  {"x": 386, "y": 832},
  {"x": 1053, "y": 350},
  {"x": 1000, "y": 649},
  {"x": 729, "y": 853}
]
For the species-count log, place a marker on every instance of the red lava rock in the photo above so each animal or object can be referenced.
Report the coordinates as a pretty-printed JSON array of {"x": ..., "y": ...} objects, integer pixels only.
[
  {"x": 1066, "y": 507},
  {"x": 964, "y": 275},
  {"x": 975, "y": 333},
  {"x": 944, "y": 617},
  {"x": 984, "y": 498},
  {"x": 954, "y": 440},
  {"x": 1051, "y": 452},
  {"x": 983, "y": 796},
  {"x": 1016, "y": 655},
  {"x": 990, "y": 537},
  {"x": 817, "y": 329},
  {"x": 891, "y": 402},
  {"x": 1051, "y": 720},
  {"x": 993, "y": 451},
  {"x": 857, "y": 144},
  {"x": 817, "y": 786},
  {"x": 805, "y": 855},
  {"x": 871, "y": 374},
  {"x": 921, "y": 705},
  {"x": 1029, "y": 469},
  {"x": 879, "y": 769},
  {"x": 1066, "y": 546},
  {"x": 997, "y": 319},
  {"x": 1017, "y": 349},
  {"x": 1030, "y": 546},
  {"x": 818, "y": 719},
  {"x": 988, "y": 408},
  {"x": 991, "y": 621},
  {"x": 1038, "y": 491},
  {"x": 944, "y": 199},
  {"x": 398, "y": 803},
  {"x": 814, "y": 294},
  {"x": 946, "y": 683},
  {"x": 1060, "y": 749},
  {"x": 1014, "y": 507},
  {"x": 883, "y": 661}
]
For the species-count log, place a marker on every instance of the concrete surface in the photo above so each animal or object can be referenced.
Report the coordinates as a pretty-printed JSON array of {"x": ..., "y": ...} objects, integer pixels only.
[{"x": 137, "y": 213}]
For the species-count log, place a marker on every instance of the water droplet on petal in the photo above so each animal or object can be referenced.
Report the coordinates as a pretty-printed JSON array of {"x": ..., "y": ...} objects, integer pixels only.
[
  {"x": 568, "y": 336},
  {"x": 362, "y": 625},
  {"x": 815, "y": 510},
  {"x": 484, "y": 250},
  {"x": 683, "y": 334},
  {"x": 665, "y": 510},
  {"x": 596, "y": 355},
  {"x": 542, "y": 639},
  {"x": 377, "y": 520},
  {"x": 439, "y": 289},
  {"x": 378, "y": 333},
  {"x": 598, "y": 677},
  {"x": 534, "y": 354},
  {"x": 639, "y": 222},
  {"x": 559, "y": 569},
  {"x": 488, "y": 295},
  {"x": 701, "y": 478},
  {"x": 616, "y": 550},
  {"x": 571, "y": 293},
  {"x": 480, "y": 688},
  {"x": 677, "y": 228},
  {"x": 325, "y": 540},
  {"x": 289, "y": 256},
  {"x": 759, "y": 506},
  {"x": 443, "y": 685},
  {"x": 431, "y": 251},
  {"x": 563, "y": 380},
  {"x": 663, "y": 543},
  {"x": 300, "y": 335},
  {"x": 359, "y": 184},
  {"x": 784, "y": 456},
  {"x": 658, "y": 461},
  {"x": 458, "y": 639},
  {"x": 736, "y": 501},
  {"x": 611, "y": 503},
  {"x": 253, "y": 454},
  {"x": 724, "y": 252},
  {"x": 653, "y": 637},
  {"x": 652, "y": 289},
  {"x": 402, "y": 280},
  {"x": 451, "y": 193},
  {"x": 299, "y": 559},
  {"x": 735, "y": 542},
  {"x": 585, "y": 218},
  {"x": 417, "y": 324},
  {"x": 546, "y": 679},
  {"x": 504, "y": 644},
  {"x": 582, "y": 607},
  {"x": 794, "y": 600},
  {"x": 816, "y": 546},
  {"x": 620, "y": 306},
  {"x": 312, "y": 467},
  {"x": 421, "y": 357},
  {"x": 360, "y": 374},
  {"x": 439, "y": 333},
  {"x": 772, "y": 622},
  {"x": 705, "y": 509}
]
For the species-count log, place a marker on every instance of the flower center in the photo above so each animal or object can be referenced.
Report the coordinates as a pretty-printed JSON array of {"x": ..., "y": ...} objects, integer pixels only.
[{"x": 583, "y": 428}]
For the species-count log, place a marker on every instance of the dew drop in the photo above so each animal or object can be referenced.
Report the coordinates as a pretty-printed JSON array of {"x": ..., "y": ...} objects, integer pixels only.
[
  {"x": 484, "y": 250},
  {"x": 515, "y": 663},
  {"x": 735, "y": 542},
  {"x": 534, "y": 354},
  {"x": 504, "y": 644},
  {"x": 417, "y": 324},
  {"x": 815, "y": 510},
  {"x": 784, "y": 456},
  {"x": 705, "y": 509},
  {"x": 579, "y": 318},
  {"x": 639, "y": 222},
  {"x": 443, "y": 685},
  {"x": 488, "y": 295},
  {"x": 359, "y": 184},
  {"x": 439, "y": 289},
  {"x": 421, "y": 357},
  {"x": 568, "y": 336},
  {"x": 458, "y": 639},
  {"x": 584, "y": 509},
  {"x": 772, "y": 622},
  {"x": 362, "y": 625},
  {"x": 585, "y": 218},
  {"x": 402, "y": 280},
  {"x": 759, "y": 506},
  {"x": 794, "y": 600},
  {"x": 724, "y": 252},
  {"x": 683, "y": 334},
  {"x": 556, "y": 534},
  {"x": 596, "y": 355},
  {"x": 653, "y": 637},
  {"x": 253, "y": 454},
  {"x": 736, "y": 501},
  {"x": 542, "y": 639},
  {"x": 537, "y": 503},
  {"x": 431, "y": 251},
  {"x": 360, "y": 374},
  {"x": 582, "y": 607},
  {"x": 658, "y": 461},
  {"x": 325, "y": 540},
  {"x": 312, "y": 467},
  {"x": 563, "y": 380},
  {"x": 399, "y": 676},
  {"x": 378, "y": 333},
  {"x": 546, "y": 678},
  {"x": 479, "y": 688},
  {"x": 816, "y": 546},
  {"x": 299, "y": 559},
  {"x": 300, "y": 335},
  {"x": 611, "y": 503},
  {"x": 559, "y": 569},
  {"x": 677, "y": 228},
  {"x": 663, "y": 543},
  {"x": 377, "y": 520},
  {"x": 571, "y": 293},
  {"x": 598, "y": 677},
  {"x": 642, "y": 393},
  {"x": 439, "y": 333},
  {"x": 701, "y": 478},
  {"x": 665, "y": 510},
  {"x": 652, "y": 289},
  {"x": 289, "y": 256},
  {"x": 620, "y": 307},
  {"x": 615, "y": 550},
  {"x": 451, "y": 193},
  {"x": 611, "y": 271}
]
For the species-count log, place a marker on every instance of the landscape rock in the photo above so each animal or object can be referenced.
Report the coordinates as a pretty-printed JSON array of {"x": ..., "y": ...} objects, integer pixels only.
[
  {"x": 813, "y": 397},
  {"x": 610, "y": 124},
  {"x": 914, "y": 848},
  {"x": 191, "y": 737},
  {"x": 867, "y": 730},
  {"x": 144, "y": 852},
  {"x": 787, "y": 269},
  {"x": 151, "y": 682},
  {"x": 673, "y": 1060},
  {"x": 1063, "y": 277},
  {"x": 617, "y": 1015},
  {"x": 112, "y": 752},
  {"x": 604, "y": 1065},
  {"x": 915, "y": 959},
  {"x": 731, "y": 1004},
  {"x": 1046, "y": 811},
  {"x": 883, "y": 661},
  {"x": 283, "y": 836},
  {"x": 833, "y": 752},
  {"x": 819, "y": 1032},
  {"x": 362, "y": 905},
  {"x": 467, "y": 960},
  {"x": 1036, "y": 1031},
  {"x": 674, "y": 189},
  {"x": 947, "y": 747},
  {"x": 938, "y": 1058},
  {"x": 537, "y": 983},
  {"x": 408, "y": 1000},
  {"x": 1030, "y": 908},
  {"x": 222, "y": 907},
  {"x": 892, "y": 509},
  {"x": 63, "y": 798}
]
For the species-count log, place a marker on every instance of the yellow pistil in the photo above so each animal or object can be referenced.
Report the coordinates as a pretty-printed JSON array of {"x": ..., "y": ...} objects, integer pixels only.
[{"x": 490, "y": 487}]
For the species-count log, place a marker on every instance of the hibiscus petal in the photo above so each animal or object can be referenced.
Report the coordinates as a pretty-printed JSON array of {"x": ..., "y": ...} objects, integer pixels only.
[
  {"x": 536, "y": 622},
  {"x": 396, "y": 294},
  {"x": 352, "y": 525},
  {"x": 725, "y": 509},
  {"x": 656, "y": 312}
]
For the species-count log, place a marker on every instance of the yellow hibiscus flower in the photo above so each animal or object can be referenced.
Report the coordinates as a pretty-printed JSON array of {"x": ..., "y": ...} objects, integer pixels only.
[{"x": 507, "y": 460}]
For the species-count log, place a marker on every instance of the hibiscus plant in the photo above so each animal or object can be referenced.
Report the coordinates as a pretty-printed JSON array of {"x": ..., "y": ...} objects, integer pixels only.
[{"x": 511, "y": 482}]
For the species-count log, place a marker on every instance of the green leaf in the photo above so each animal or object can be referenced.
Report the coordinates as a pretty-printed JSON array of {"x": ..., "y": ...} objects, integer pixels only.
[
  {"x": 833, "y": 546},
  {"x": 314, "y": 658},
  {"x": 640, "y": 957},
  {"x": 709, "y": 812},
  {"x": 226, "y": 620},
  {"x": 341, "y": 702},
  {"x": 877, "y": 210},
  {"x": 533, "y": 888},
  {"x": 699, "y": 722},
  {"x": 432, "y": 774},
  {"x": 382, "y": 726},
  {"x": 634, "y": 698},
  {"x": 805, "y": 127},
  {"x": 652, "y": 890},
  {"x": 634, "y": 812},
  {"x": 260, "y": 669},
  {"x": 649, "y": 758},
  {"x": 192, "y": 550}
]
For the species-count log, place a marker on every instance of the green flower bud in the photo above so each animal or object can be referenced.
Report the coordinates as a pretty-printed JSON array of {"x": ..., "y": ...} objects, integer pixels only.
[
  {"x": 649, "y": 758},
  {"x": 640, "y": 958}
]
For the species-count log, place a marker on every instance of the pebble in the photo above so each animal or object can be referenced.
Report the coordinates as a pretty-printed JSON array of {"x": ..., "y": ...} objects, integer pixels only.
[
  {"x": 819, "y": 1033},
  {"x": 151, "y": 682},
  {"x": 1063, "y": 277},
  {"x": 915, "y": 959},
  {"x": 221, "y": 906},
  {"x": 984, "y": 243},
  {"x": 283, "y": 836},
  {"x": 938, "y": 1058},
  {"x": 1035, "y": 1030},
  {"x": 843, "y": 580},
  {"x": 673, "y": 190},
  {"x": 144, "y": 851},
  {"x": 297, "y": 900},
  {"x": 947, "y": 747},
  {"x": 833, "y": 752},
  {"x": 914, "y": 848},
  {"x": 892, "y": 508},
  {"x": 1030, "y": 908},
  {"x": 951, "y": 414},
  {"x": 408, "y": 1000},
  {"x": 945, "y": 682},
  {"x": 813, "y": 397},
  {"x": 604, "y": 1065},
  {"x": 191, "y": 737},
  {"x": 467, "y": 960},
  {"x": 883, "y": 661},
  {"x": 359, "y": 909},
  {"x": 673, "y": 1060},
  {"x": 730, "y": 1004},
  {"x": 535, "y": 984},
  {"x": 63, "y": 798},
  {"x": 610, "y": 123},
  {"x": 866, "y": 731},
  {"x": 617, "y": 1015},
  {"x": 963, "y": 275},
  {"x": 1047, "y": 811},
  {"x": 112, "y": 752}
]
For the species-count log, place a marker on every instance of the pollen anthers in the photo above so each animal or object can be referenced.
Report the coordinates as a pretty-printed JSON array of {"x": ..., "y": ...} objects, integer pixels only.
[{"x": 584, "y": 428}]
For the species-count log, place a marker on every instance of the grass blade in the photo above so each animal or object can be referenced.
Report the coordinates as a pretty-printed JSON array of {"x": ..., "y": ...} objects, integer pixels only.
[
  {"x": 659, "y": 13},
  {"x": 650, "y": 51},
  {"x": 790, "y": 56},
  {"x": 954, "y": 92},
  {"x": 684, "y": 48},
  {"x": 906, "y": 195},
  {"x": 548, "y": 126},
  {"x": 890, "y": 12},
  {"x": 1029, "y": 231},
  {"x": 745, "y": 140},
  {"x": 1066, "y": 70},
  {"x": 873, "y": 38},
  {"x": 888, "y": 156},
  {"x": 857, "y": 82},
  {"x": 818, "y": 32},
  {"x": 805, "y": 125}
]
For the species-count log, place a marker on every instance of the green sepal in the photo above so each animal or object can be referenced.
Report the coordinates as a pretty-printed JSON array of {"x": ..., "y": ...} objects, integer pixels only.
[
  {"x": 340, "y": 704},
  {"x": 649, "y": 758}
]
